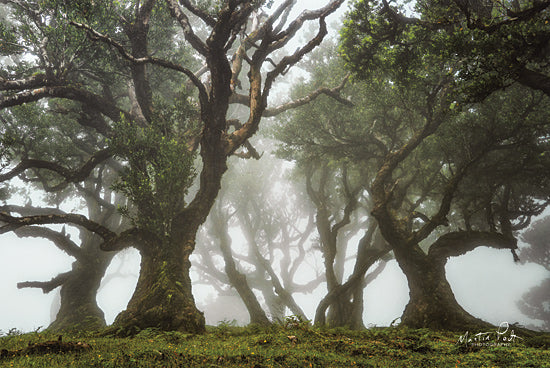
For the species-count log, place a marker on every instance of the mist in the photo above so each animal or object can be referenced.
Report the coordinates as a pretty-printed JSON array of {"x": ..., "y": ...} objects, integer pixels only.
[{"x": 487, "y": 283}]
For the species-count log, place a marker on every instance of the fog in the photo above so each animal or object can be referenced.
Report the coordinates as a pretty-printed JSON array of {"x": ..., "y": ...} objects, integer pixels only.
[{"x": 486, "y": 282}]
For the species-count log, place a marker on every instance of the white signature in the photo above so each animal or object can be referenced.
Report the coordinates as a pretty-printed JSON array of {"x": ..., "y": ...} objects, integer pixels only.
[{"x": 501, "y": 337}]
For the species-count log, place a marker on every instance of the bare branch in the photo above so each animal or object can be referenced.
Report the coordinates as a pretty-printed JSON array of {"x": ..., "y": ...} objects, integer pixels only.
[
  {"x": 68, "y": 175},
  {"x": 183, "y": 20},
  {"x": 284, "y": 37},
  {"x": 331, "y": 92},
  {"x": 46, "y": 286},
  {"x": 34, "y": 81},
  {"x": 207, "y": 18},
  {"x": 129, "y": 238},
  {"x": 94, "y": 101},
  {"x": 440, "y": 218},
  {"x": 94, "y": 35},
  {"x": 397, "y": 17},
  {"x": 60, "y": 240},
  {"x": 14, "y": 223},
  {"x": 102, "y": 202},
  {"x": 460, "y": 242},
  {"x": 291, "y": 60},
  {"x": 29, "y": 210}
]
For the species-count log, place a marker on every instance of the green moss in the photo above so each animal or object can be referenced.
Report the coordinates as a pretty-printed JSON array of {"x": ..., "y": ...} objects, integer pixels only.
[{"x": 231, "y": 346}]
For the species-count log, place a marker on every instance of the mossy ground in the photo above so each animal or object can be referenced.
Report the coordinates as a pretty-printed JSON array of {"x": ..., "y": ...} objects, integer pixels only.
[{"x": 278, "y": 346}]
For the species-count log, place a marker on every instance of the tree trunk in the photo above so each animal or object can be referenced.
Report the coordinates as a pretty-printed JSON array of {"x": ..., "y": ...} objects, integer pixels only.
[
  {"x": 345, "y": 301},
  {"x": 163, "y": 296},
  {"x": 237, "y": 279},
  {"x": 79, "y": 309},
  {"x": 345, "y": 307},
  {"x": 342, "y": 311},
  {"x": 239, "y": 282},
  {"x": 432, "y": 303},
  {"x": 275, "y": 304},
  {"x": 355, "y": 320}
]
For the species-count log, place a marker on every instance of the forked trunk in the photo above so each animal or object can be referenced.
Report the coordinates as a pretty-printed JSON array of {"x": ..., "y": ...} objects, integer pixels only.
[
  {"x": 163, "y": 297},
  {"x": 345, "y": 308}
]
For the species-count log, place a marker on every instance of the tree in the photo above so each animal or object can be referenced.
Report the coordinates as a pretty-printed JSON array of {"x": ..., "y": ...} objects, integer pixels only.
[
  {"x": 534, "y": 303},
  {"x": 336, "y": 186},
  {"x": 376, "y": 31},
  {"x": 78, "y": 286},
  {"x": 335, "y": 204},
  {"x": 274, "y": 231},
  {"x": 115, "y": 62},
  {"x": 237, "y": 280},
  {"x": 444, "y": 178}
]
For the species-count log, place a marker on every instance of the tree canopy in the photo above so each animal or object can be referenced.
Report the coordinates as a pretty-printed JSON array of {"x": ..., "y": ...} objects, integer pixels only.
[
  {"x": 148, "y": 86},
  {"x": 445, "y": 171}
]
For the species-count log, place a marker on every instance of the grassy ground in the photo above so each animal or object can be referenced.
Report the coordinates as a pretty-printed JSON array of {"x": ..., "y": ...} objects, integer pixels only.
[{"x": 294, "y": 345}]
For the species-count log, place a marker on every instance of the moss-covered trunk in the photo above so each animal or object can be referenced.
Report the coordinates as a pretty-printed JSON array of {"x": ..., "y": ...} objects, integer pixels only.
[
  {"x": 79, "y": 309},
  {"x": 163, "y": 296},
  {"x": 432, "y": 303}
]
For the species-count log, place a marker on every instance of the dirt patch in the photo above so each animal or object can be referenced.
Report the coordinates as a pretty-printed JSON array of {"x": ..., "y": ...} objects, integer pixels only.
[{"x": 48, "y": 347}]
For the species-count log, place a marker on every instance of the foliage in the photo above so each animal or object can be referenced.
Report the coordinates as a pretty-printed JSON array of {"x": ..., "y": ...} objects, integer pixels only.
[
  {"x": 295, "y": 322},
  {"x": 226, "y": 327},
  {"x": 486, "y": 44},
  {"x": 434, "y": 161},
  {"x": 501, "y": 140},
  {"x": 161, "y": 170},
  {"x": 273, "y": 348}
]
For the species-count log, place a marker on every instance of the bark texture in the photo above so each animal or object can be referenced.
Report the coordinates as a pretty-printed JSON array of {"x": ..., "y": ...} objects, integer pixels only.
[
  {"x": 79, "y": 309},
  {"x": 163, "y": 296}
]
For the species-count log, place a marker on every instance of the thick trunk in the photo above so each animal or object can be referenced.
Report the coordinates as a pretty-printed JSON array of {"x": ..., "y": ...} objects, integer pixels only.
[
  {"x": 163, "y": 297},
  {"x": 79, "y": 309},
  {"x": 431, "y": 300},
  {"x": 432, "y": 303}
]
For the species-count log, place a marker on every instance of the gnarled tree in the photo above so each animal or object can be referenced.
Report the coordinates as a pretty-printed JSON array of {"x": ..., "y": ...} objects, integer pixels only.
[
  {"x": 128, "y": 66},
  {"x": 443, "y": 178}
]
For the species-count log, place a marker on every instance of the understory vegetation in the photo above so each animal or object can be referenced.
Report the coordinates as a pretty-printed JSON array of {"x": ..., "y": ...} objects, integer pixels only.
[{"x": 293, "y": 344}]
